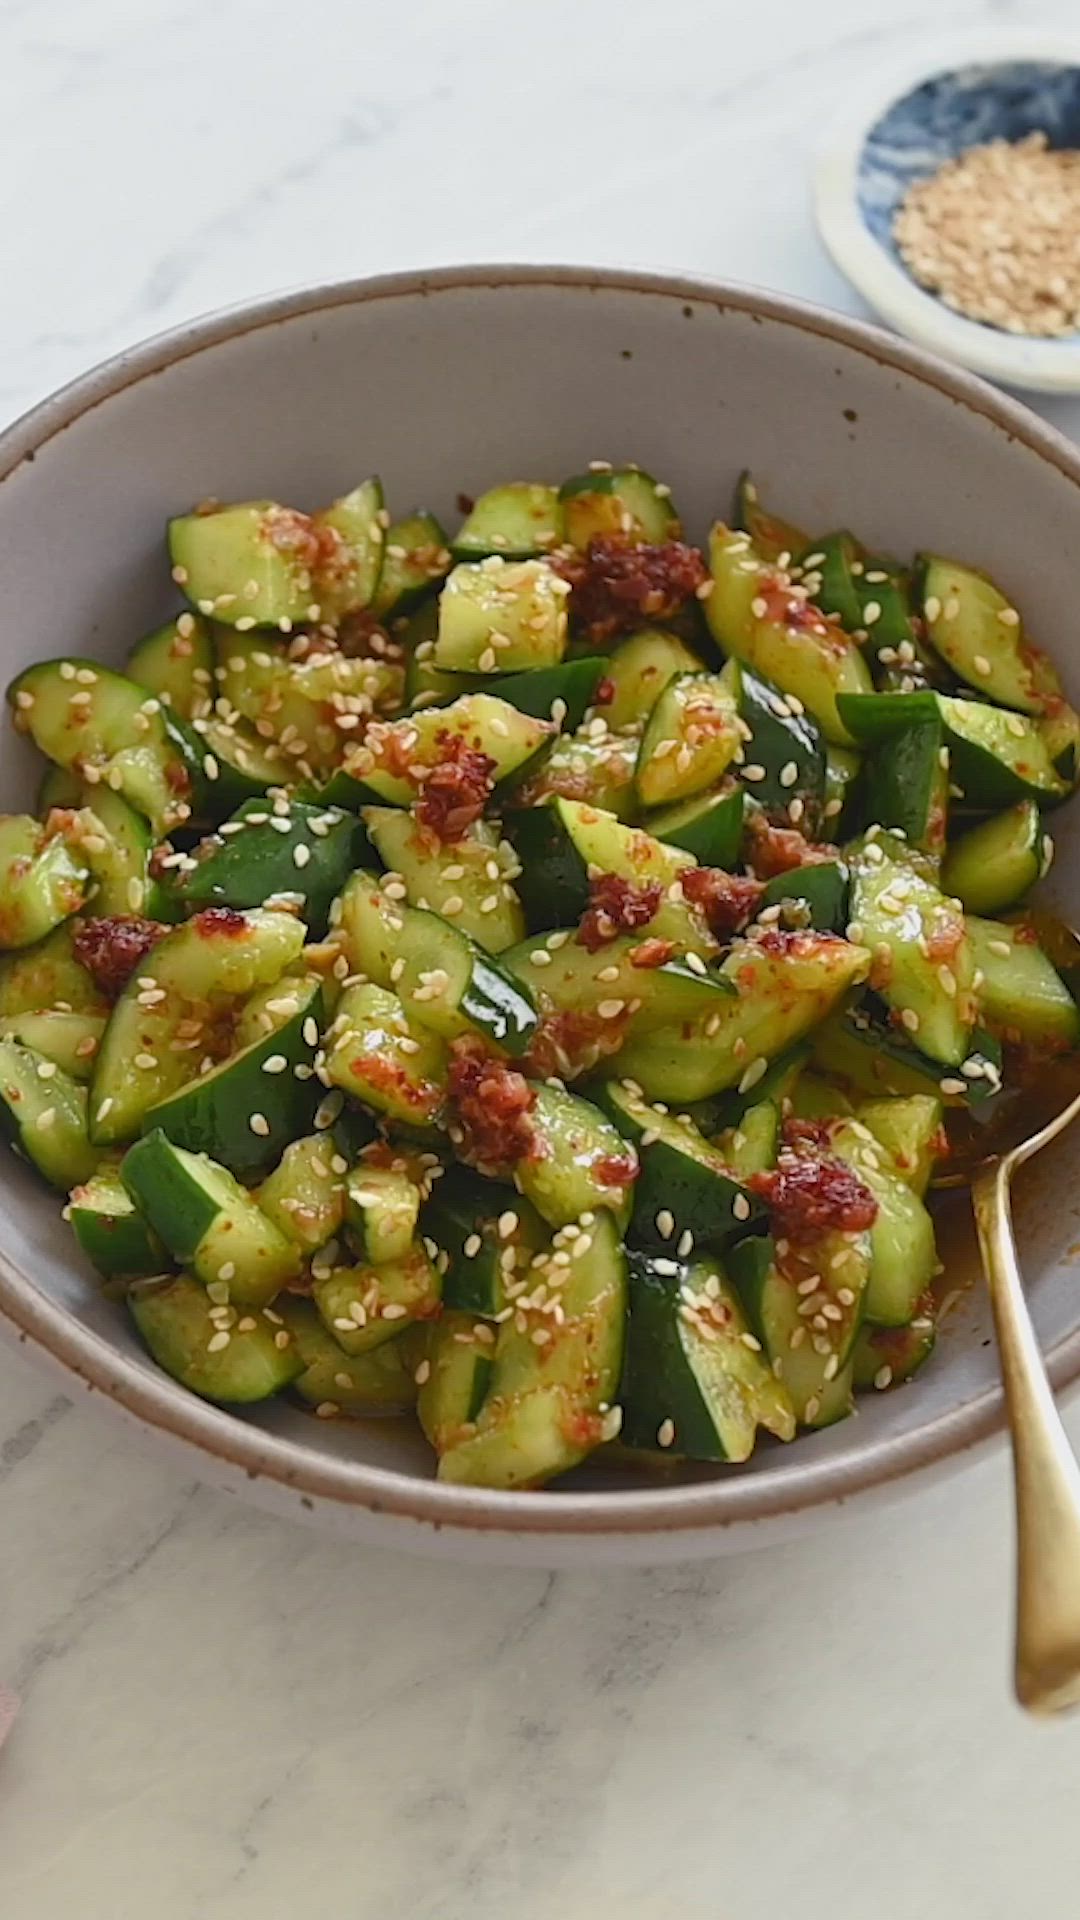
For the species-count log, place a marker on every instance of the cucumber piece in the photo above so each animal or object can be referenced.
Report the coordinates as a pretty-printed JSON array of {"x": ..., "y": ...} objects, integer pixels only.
[
  {"x": 304, "y": 1196},
  {"x": 754, "y": 615},
  {"x": 349, "y": 567},
  {"x": 903, "y": 1255},
  {"x": 975, "y": 630},
  {"x": 690, "y": 739},
  {"x": 250, "y": 562},
  {"x": 501, "y": 616},
  {"x": 365, "y": 1305},
  {"x": 911, "y": 1132},
  {"x": 415, "y": 559},
  {"x": 378, "y": 1055},
  {"x": 466, "y": 880},
  {"x": 468, "y": 1211},
  {"x": 208, "y": 1221},
  {"x": 456, "y": 1371},
  {"x": 887, "y": 1356},
  {"x": 561, "y": 844},
  {"x": 710, "y": 826},
  {"x": 907, "y": 786},
  {"x": 598, "y": 770},
  {"x": 692, "y": 1383},
  {"x": 235, "y": 763},
  {"x": 687, "y": 1194},
  {"x": 43, "y": 1114},
  {"x": 753, "y": 1146},
  {"x": 833, "y": 583},
  {"x": 815, "y": 1098},
  {"x": 265, "y": 851},
  {"x": 861, "y": 1047},
  {"x": 69, "y": 1039},
  {"x": 808, "y": 1351},
  {"x": 776, "y": 540},
  {"x": 621, "y": 501},
  {"x": 843, "y": 789},
  {"x": 166, "y": 1013},
  {"x": 812, "y": 896},
  {"x": 783, "y": 762},
  {"x": 301, "y": 703},
  {"x": 362, "y": 1386},
  {"x": 516, "y": 521},
  {"x": 1059, "y": 732},
  {"x": 640, "y": 667},
  {"x": 606, "y": 987},
  {"x": 113, "y": 840},
  {"x": 994, "y": 757},
  {"x": 996, "y": 863},
  {"x": 106, "y": 729},
  {"x": 445, "y": 981},
  {"x": 245, "y": 1110},
  {"x": 182, "y": 1329},
  {"x": 562, "y": 694},
  {"x": 110, "y": 1229},
  {"x": 546, "y": 1403},
  {"x": 47, "y": 975},
  {"x": 581, "y": 1163},
  {"x": 512, "y": 740},
  {"x": 382, "y": 1208},
  {"x": 176, "y": 662},
  {"x": 784, "y": 985},
  {"x": 1021, "y": 994},
  {"x": 777, "y": 1085},
  {"x": 43, "y": 878},
  {"x": 899, "y": 656},
  {"x": 923, "y": 958}
]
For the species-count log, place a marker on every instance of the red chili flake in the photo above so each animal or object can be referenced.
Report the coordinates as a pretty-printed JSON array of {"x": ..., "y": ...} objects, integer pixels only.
[
  {"x": 774, "y": 850},
  {"x": 947, "y": 936},
  {"x": 311, "y": 544},
  {"x": 492, "y": 1105},
  {"x": 616, "y": 906},
  {"x": 618, "y": 584},
  {"x": 790, "y": 609},
  {"x": 797, "y": 943},
  {"x": 605, "y": 692},
  {"x": 653, "y": 953},
  {"x": 465, "y": 503},
  {"x": 177, "y": 777},
  {"x": 455, "y": 791},
  {"x": 358, "y": 630},
  {"x": 110, "y": 949},
  {"x": 225, "y": 920},
  {"x": 1024, "y": 934},
  {"x": 616, "y": 1169},
  {"x": 423, "y": 1099},
  {"x": 728, "y": 900},
  {"x": 808, "y": 1192},
  {"x": 566, "y": 1044}
]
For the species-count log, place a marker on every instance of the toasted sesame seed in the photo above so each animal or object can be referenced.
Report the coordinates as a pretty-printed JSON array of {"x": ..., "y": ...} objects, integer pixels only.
[
  {"x": 665, "y": 1433},
  {"x": 981, "y": 664},
  {"x": 218, "y": 1341},
  {"x": 259, "y": 1124}
]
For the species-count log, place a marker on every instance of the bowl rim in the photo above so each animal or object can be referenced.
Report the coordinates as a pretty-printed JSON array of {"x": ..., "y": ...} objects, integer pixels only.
[
  {"x": 221, "y": 1439},
  {"x": 1037, "y": 366}
]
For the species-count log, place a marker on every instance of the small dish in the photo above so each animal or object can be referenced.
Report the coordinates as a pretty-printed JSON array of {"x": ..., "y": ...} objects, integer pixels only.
[{"x": 906, "y": 124}]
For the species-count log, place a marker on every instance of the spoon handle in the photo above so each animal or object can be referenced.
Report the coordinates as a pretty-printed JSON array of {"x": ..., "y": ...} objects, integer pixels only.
[{"x": 1046, "y": 1477}]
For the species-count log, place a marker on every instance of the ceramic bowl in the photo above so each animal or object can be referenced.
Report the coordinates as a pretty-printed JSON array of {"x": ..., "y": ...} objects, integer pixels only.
[
  {"x": 901, "y": 127},
  {"x": 448, "y": 382}
]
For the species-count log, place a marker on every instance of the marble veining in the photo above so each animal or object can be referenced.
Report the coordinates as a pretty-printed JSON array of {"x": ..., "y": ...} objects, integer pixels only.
[{"x": 224, "y": 1716}]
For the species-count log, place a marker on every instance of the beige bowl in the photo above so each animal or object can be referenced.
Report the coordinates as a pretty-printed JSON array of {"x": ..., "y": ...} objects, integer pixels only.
[{"x": 451, "y": 381}]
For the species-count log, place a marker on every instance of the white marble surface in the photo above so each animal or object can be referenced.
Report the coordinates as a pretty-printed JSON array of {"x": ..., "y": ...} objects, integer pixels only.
[{"x": 226, "y": 1717}]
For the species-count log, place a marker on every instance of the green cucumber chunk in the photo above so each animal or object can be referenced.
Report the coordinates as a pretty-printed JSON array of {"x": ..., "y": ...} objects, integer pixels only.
[
  {"x": 43, "y": 1114},
  {"x": 562, "y": 844},
  {"x": 860, "y": 1046},
  {"x": 910, "y": 1130},
  {"x": 365, "y": 1305},
  {"x": 455, "y": 1376},
  {"x": 903, "y": 1255},
  {"x": 350, "y": 565},
  {"x": 511, "y": 739},
  {"x": 268, "y": 850},
  {"x": 110, "y": 1229},
  {"x": 547, "y": 1401},
  {"x": 515, "y": 521},
  {"x": 783, "y": 763},
  {"x": 445, "y": 981},
  {"x": 501, "y": 616},
  {"x": 622, "y": 502},
  {"x": 995, "y": 757},
  {"x": 378, "y": 1055},
  {"x": 693, "y": 1384},
  {"x": 811, "y": 896},
  {"x": 996, "y": 863},
  {"x": 382, "y": 1209},
  {"x": 182, "y": 1330},
  {"x": 830, "y": 569},
  {"x": 971, "y": 624},
  {"x": 596, "y": 769},
  {"x": 249, "y": 562},
  {"x": 114, "y": 842},
  {"x": 887, "y": 1356},
  {"x": 808, "y": 1351},
  {"x": 105, "y": 728},
  {"x": 416, "y": 557},
  {"x": 906, "y": 786},
  {"x": 176, "y": 662},
  {"x": 208, "y": 1221},
  {"x": 486, "y": 1240},
  {"x": 362, "y": 1386},
  {"x": 687, "y": 1193},
  {"x": 639, "y": 669},
  {"x": 690, "y": 739},
  {"x": 581, "y": 1162},
  {"x": 467, "y": 880},
  {"x": 1021, "y": 994},
  {"x": 47, "y": 975},
  {"x": 304, "y": 1195},
  {"x": 922, "y": 954},
  {"x": 310, "y": 707},
  {"x": 710, "y": 826},
  {"x": 69, "y": 1039},
  {"x": 607, "y": 993},
  {"x": 43, "y": 877}
]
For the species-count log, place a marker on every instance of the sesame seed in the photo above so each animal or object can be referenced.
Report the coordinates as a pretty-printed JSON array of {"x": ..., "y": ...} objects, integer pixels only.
[
  {"x": 665, "y": 1433},
  {"x": 909, "y": 1019},
  {"x": 883, "y": 1378},
  {"x": 754, "y": 1072},
  {"x": 218, "y": 1341},
  {"x": 685, "y": 1246},
  {"x": 871, "y": 613},
  {"x": 259, "y": 1124},
  {"x": 981, "y": 664},
  {"x": 610, "y": 1009},
  {"x": 932, "y": 608},
  {"x": 951, "y": 1085},
  {"x": 753, "y": 771},
  {"x": 740, "y": 1207}
]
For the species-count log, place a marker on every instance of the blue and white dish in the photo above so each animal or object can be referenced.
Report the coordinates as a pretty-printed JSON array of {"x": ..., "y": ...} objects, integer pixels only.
[{"x": 979, "y": 89}]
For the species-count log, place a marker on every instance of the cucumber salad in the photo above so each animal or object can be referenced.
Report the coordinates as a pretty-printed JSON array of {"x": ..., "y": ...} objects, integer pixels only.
[{"x": 527, "y": 981}]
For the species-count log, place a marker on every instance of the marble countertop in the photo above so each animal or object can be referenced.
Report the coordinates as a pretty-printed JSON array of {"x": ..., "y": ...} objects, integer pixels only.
[{"x": 225, "y": 1717}]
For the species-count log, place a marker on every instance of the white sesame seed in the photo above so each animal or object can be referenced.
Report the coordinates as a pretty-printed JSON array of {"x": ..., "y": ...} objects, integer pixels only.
[
  {"x": 665, "y": 1433},
  {"x": 259, "y": 1124},
  {"x": 883, "y": 1378}
]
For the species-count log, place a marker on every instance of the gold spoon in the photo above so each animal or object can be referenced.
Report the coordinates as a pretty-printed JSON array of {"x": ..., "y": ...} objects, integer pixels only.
[{"x": 1045, "y": 1473}]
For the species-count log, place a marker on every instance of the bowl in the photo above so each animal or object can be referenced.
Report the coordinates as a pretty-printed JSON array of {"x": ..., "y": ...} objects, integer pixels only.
[
  {"x": 450, "y": 381},
  {"x": 901, "y": 127}
]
